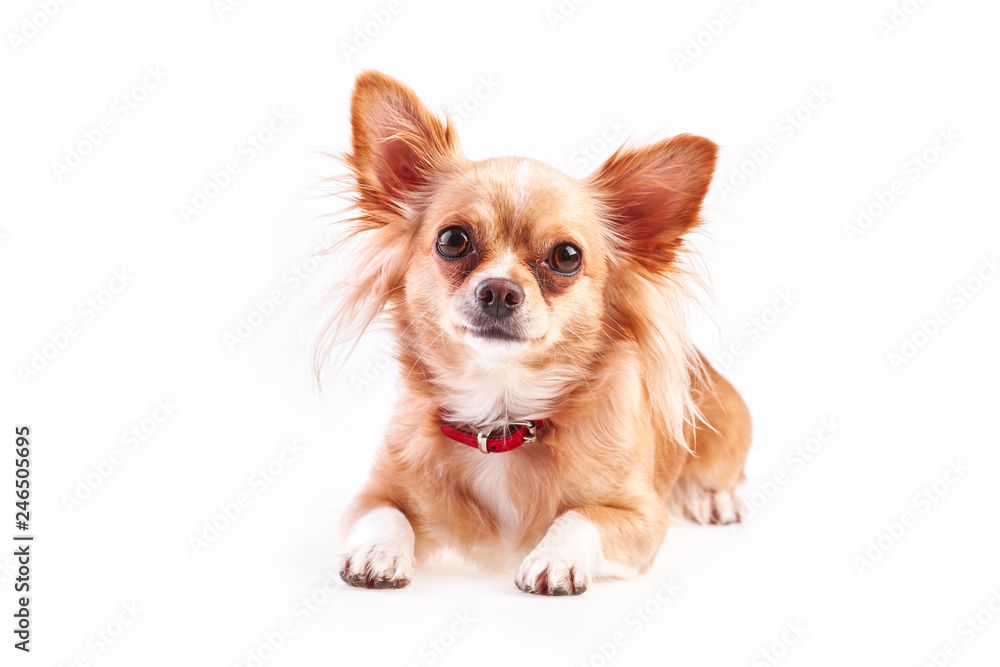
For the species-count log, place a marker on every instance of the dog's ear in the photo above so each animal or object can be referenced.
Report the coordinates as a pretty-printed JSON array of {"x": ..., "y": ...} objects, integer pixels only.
[
  {"x": 653, "y": 195},
  {"x": 398, "y": 145}
]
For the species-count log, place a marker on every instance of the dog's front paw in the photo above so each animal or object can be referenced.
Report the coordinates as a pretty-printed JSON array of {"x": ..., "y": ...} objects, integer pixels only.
[
  {"x": 377, "y": 564},
  {"x": 380, "y": 551},
  {"x": 563, "y": 563},
  {"x": 546, "y": 572}
]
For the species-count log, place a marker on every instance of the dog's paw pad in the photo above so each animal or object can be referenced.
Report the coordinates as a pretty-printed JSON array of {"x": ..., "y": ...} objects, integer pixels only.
[{"x": 377, "y": 565}]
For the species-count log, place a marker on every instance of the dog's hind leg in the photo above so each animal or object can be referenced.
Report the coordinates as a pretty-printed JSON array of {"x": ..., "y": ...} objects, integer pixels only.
[{"x": 705, "y": 489}]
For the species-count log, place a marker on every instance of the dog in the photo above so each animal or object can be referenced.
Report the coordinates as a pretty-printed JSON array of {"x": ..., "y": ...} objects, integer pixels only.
[{"x": 551, "y": 405}]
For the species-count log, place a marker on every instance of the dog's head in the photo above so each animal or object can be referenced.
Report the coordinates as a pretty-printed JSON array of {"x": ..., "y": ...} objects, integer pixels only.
[{"x": 508, "y": 259}]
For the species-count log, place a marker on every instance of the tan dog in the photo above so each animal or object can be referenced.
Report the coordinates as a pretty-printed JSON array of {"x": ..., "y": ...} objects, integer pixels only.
[{"x": 538, "y": 318}]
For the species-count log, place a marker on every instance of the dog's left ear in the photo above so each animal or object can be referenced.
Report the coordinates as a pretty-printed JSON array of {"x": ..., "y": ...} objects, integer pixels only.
[
  {"x": 399, "y": 145},
  {"x": 653, "y": 195}
]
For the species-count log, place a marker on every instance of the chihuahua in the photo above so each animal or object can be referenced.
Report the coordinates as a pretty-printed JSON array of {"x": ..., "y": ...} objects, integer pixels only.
[{"x": 551, "y": 405}]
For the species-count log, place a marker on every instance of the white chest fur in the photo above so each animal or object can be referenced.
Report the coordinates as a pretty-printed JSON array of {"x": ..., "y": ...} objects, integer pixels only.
[
  {"x": 489, "y": 480},
  {"x": 498, "y": 393}
]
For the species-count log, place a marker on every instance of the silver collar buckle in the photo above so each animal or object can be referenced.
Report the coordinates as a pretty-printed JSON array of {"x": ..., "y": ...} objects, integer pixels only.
[{"x": 482, "y": 437}]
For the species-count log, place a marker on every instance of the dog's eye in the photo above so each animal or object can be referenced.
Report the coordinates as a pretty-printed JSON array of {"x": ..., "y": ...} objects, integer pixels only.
[
  {"x": 453, "y": 243},
  {"x": 565, "y": 258}
]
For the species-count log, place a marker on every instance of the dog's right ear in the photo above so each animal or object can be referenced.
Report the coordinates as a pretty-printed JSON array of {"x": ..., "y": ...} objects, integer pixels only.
[{"x": 399, "y": 146}]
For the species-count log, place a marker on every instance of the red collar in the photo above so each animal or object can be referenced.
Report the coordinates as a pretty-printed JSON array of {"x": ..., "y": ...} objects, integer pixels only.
[{"x": 504, "y": 442}]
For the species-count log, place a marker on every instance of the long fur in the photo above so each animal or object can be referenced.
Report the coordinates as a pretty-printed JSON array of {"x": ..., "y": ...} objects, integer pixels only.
[{"x": 633, "y": 409}]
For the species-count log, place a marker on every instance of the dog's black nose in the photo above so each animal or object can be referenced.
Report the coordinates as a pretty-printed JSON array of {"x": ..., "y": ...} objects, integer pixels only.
[{"x": 499, "y": 297}]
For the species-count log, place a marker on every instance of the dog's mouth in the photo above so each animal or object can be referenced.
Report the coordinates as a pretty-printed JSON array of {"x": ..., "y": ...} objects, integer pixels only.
[
  {"x": 497, "y": 333},
  {"x": 489, "y": 332}
]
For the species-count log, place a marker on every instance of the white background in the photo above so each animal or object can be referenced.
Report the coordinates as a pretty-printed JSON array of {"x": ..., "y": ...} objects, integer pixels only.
[{"x": 556, "y": 86}]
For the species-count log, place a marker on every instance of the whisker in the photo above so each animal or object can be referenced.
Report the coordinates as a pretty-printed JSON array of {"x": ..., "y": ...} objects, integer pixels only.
[
  {"x": 426, "y": 349},
  {"x": 583, "y": 375}
]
